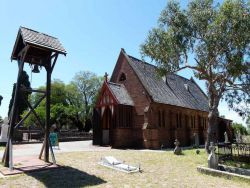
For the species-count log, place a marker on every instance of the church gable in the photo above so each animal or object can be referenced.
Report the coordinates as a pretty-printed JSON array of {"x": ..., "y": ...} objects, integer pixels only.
[
  {"x": 124, "y": 74},
  {"x": 114, "y": 94},
  {"x": 106, "y": 97}
]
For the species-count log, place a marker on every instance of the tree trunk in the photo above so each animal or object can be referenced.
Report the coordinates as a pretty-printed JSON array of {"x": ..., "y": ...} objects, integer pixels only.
[
  {"x": 212, "y": 128},
  {"x": 212, "y": 116}
]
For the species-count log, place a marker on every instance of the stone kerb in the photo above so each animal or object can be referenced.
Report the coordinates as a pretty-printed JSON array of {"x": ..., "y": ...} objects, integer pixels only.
[{"x": 228, "y": 175}]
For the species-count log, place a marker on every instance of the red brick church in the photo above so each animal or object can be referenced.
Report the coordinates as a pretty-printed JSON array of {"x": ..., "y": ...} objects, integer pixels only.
[{"x": 138, "y": 108}]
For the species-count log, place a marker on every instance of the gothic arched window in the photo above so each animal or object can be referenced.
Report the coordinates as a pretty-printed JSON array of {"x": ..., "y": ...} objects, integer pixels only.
[{"x": 122, "y": 77}]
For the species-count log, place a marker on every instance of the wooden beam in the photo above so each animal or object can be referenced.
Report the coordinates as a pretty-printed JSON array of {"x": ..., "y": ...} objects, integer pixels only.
[
  {"x": 54, "y": 62},
  {"x": 32, "y": 90},
  {"x": 14, "y": 109},
  {"x": 24, "y": 50},
  {"x": 13, "y": 114},
  {"x": 34, "y": 112},
  {"x": 30, "y": 111},
  {"x": 41, "y": 152},
  {"x": 47, "y": 121},
  {"x": 54, "y": 55}
]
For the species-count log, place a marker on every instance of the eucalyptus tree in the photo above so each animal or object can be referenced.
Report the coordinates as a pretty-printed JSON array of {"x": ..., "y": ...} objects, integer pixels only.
[
  {"x": 87, "y": 85},
  {"x": 22, "y": 105},
  {"x": 211, "y": 39}
]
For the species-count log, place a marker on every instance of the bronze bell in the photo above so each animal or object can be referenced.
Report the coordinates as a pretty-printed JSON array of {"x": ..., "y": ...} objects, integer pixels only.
[{"x": 35, "y": 69}]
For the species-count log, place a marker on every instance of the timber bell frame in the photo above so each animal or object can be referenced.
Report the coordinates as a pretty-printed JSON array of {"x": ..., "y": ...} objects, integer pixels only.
[{"x": 36, "y": 49}]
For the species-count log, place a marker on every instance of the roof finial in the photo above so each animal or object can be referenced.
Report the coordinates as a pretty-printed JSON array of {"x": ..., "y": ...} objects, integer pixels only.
[{"x": 106, "y": 77}]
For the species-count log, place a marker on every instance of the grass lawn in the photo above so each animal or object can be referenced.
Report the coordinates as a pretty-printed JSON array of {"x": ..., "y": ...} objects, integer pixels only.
[
  {"x": 160, "y": 169},
  {"x": 236, "y": 164}
]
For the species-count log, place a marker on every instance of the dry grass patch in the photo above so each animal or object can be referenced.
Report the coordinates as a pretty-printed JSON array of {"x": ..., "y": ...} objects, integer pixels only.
[{"x": 160, "y": 169}]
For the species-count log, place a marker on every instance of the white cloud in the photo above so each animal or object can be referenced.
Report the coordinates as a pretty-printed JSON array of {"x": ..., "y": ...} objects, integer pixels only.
[{"x": 230, "y": 114}]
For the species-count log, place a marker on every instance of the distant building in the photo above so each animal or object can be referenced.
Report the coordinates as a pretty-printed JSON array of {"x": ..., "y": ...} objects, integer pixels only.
[{"x": 138, "y": 108}]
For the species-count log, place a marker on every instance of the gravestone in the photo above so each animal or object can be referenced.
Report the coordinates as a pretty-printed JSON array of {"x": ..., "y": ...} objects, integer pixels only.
[
  {"x": 226, "y": 138},
  {"x": 177, "y": 149},
  {"x": 4, "y": 132},
  {"x": 212, "y": 158},
  {"x": 196, "y": 140},
  {"x": 238, "y": 137}
]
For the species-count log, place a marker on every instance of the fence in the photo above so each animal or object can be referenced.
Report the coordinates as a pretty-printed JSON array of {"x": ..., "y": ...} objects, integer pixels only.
[
  {"x": 235, "y": 151},
  {"x": 74, "y": 135},
  {"x": 37, "y": 136}
]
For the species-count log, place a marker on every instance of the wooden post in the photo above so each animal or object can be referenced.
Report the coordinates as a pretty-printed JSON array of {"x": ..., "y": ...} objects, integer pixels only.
[
  {"x": 47, "y": 122},
  {"x": 14, "y": 114},
  {"x": 41, "y": 152}
]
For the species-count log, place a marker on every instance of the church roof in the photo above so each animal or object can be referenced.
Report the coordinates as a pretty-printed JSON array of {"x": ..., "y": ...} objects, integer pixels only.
[
  {"x": 173, "y": 89},
  {"x": 120, "y": 93}
]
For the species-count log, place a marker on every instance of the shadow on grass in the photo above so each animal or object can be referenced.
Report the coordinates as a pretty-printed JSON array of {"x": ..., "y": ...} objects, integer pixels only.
[{"x": 66, "y": 177}]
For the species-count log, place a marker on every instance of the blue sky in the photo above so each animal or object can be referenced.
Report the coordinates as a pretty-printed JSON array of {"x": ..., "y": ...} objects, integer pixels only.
[{"x": 92, "y": 32}]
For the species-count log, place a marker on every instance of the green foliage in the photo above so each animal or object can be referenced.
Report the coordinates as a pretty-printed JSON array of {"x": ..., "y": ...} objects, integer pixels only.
[
  {"x": 68, "y": 102},
  {"x": 87, "y": 85},
  {"x": 237, "y": 127},
  {"x": 237, "y": 164},
  {"x": 58, "y": 102},
  {"x": 22, "y": 96}
]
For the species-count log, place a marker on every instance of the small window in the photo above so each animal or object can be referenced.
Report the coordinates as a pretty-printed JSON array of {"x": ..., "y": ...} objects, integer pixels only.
[{"x": 122, "y": 77}]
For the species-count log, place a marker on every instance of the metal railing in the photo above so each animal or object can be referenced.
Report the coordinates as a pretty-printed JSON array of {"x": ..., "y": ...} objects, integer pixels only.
[{"x": 234, "y": 151}]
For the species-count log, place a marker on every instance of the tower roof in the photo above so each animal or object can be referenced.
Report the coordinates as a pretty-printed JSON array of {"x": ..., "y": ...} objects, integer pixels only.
[{"x": 36, "y": 39}]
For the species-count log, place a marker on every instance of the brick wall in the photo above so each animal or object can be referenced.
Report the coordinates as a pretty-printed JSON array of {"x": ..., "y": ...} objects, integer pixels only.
[
  {"x": 159, "y": 133},
  {"x": 126, "y": 137}
]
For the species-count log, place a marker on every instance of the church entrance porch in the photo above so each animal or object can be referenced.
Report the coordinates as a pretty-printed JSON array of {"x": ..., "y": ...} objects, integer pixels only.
[{"x": 106, "y": 124}]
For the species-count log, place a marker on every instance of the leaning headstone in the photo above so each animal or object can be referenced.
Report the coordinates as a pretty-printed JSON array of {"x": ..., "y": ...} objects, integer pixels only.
[
  {"x": 177, "y": 149},
  {"x": 162, "y": 146},
  {"x": 196, "y": 140},
  {"x": 226, "y": 138},
  {"x": 212, "y": 158},
  {"x": 4, "y": 133},
  {"x": 238, "y": 137}
]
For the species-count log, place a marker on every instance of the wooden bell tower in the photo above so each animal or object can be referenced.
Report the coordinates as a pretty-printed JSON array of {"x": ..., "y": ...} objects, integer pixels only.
[{"x": 38, "y": 50}]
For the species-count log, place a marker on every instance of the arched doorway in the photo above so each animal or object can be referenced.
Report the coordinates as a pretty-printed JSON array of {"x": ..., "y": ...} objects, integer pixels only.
[{"x": 106, "y": 125}]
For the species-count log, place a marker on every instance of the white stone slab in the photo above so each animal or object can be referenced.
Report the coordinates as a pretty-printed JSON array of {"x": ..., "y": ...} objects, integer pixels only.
[
  {"x": 4, "y": 133},
  {"x": 111, "y": 162}
]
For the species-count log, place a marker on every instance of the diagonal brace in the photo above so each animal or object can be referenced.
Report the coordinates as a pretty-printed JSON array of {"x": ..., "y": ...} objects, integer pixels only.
[{"x": 30, "y": 111}]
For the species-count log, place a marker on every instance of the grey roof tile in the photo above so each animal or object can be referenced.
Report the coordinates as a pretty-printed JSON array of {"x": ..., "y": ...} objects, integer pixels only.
[
  {"x": 41, "y": 39},
  {"x": 174, "y": 90},
  {"x": 121, "y": 93}
]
